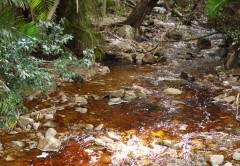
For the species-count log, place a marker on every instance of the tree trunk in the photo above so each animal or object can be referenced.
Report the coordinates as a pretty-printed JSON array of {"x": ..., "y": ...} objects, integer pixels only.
[
  {"x": 136, "y": 17},
  {"x": 52, "y": 11}
]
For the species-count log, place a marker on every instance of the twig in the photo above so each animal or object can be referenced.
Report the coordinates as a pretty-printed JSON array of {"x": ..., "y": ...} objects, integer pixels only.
[{"x": 237, "y": 102}]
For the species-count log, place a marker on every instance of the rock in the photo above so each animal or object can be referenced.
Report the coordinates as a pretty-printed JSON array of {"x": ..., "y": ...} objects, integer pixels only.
[
  {"x": 139, "y": 57},
  {"x": 187, "y": 77},
  {"x": 49, "y": 143},
  {"x": 236, "y": 155},
  {"x": 99, "y": 127},
  {"x": 19, "y": 143},
  {"x": 167, "y": 143},
  {"x": 229, "y": 99},
  {"x": 142, "y": 90},
  {"x": 36, "y": 125},
  {"x": 24, "y": 121},
  {"x": 127, "y": 58},
  {"x": 80, "y": 100},
  {"x": 129, "y": 95},
  {"x": 104, "y": 70},
  {"x": 218, "y": 51},
  {"x": 235, "y": 72},
  {"x": 89, "y": 126},
  {"x": 113, "y": 136},
  {"x": 114, "y": 101},
  {"x": 50, "y": 124},
  {"x": 10, "y": 158},
  {"x": 172, "y": 91},
  {"x": 159, "y": 53},
  {"x": 203, "y": 43},
  {"x": 96, "y": 97},
  {"x": 1, "y": 146},
  {"x": 183, "y": 127},
  {"x": 149, "y": 59},
  {"x": 215, "y": 159},
  {"x": 51, "y": 132},
  {"x": 126, "y": 32},
  {"x": 82, "y": 110},
  {"x": 49, "y": 116},
  {"x": 228, "y": 164},
  {"x": 117, "y": 93}
]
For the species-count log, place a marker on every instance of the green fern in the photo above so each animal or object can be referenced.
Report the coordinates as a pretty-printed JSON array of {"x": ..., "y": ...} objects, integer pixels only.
[{"x": 214, "y": 6}]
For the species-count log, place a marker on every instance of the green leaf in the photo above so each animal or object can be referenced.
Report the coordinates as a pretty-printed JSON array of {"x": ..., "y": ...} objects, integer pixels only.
[{"x": 214, "y": 6}]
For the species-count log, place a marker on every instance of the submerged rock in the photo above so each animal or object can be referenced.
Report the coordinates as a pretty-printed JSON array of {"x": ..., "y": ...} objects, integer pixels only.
[
  {"x": 172, "y": 91},
  {"x": 82, "y": 110},
  {"x": 80, "y": 100}
]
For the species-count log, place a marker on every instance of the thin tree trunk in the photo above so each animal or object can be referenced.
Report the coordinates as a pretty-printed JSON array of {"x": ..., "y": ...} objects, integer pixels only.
[
  {"x": 52, "y": 11},
  {"x": 136, "y": 17},
  {"x": 104, "y": 7}
]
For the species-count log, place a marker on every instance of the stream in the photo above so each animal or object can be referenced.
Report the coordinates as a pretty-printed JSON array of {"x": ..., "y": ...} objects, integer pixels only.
[{"x": 152, "y": 129}]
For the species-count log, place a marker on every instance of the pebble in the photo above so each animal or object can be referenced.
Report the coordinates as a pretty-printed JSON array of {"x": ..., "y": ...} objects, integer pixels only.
[
  {"x": 19, "y": 143},
  {"x": 36, "y": 125},
  {"x": 172, "y": 91},
  {"x": 216, "y": 159},
  {"x": 89, "y": 126},
  {"x": 81, "y": 110},
  {"x": 49, "y": 116},
  {"x": 51, "y": 132},
  {"x": 99, "y": 127}
]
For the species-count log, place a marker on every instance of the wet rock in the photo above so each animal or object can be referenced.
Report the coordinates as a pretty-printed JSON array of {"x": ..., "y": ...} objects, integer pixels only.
[
  {"x": 142, "y": 90},
  {"x": 159, "y": 53},
  {"x": 51, "y": 132},
  {"x": 167, "y": 143},
  {"x": 89, "y": 126},
  {"x": 172, "y": 91},
  {"x": 117, "y": 93},
  {"x": 96, "y": 97},
  {"x": 218, "y": 52},
  {"x": 80, "y": 100},
  {"x": 236, "y": 155},
  {"x": 235, "y": 72},
  {"x": 183, "y": 127},
  {"x": 99, "y": 127},
  {"x": 114, "y": 101},
  {"x": 36, "y": 125},
  {"x": 24, "y": 121},
  {"x": 215, "y": 159},
  {"x": 19, "y": 143},
  {"x": 126, "y": 32},
  {"x": 82, "y": 110},
  {"x": 228, "y": 164},
  {"x": 113, "y": 136},
  {"x": 43, "y": 155},
  {"x": 127, "y": 58},
  {"x": 187, "y": 77},
  {"x": 149, "y": 59},
  {"x": 49, "y": 116},
  {"x": 49, "y": 143},
  {"x": 139, "y": 57},
  {"x": 1, "y": 146},
  {"x": 130, "y": 95},
  {"x": 10, "y": 158}
]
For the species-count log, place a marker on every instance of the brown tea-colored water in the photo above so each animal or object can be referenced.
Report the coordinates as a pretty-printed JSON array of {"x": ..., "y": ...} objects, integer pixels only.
[{"x": 157, "y": 112}]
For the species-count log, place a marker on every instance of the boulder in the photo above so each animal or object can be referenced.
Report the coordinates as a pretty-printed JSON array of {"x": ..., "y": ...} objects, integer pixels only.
[
  {"x": 49, "y": 143},
  {"x": 149, "y": 59}
]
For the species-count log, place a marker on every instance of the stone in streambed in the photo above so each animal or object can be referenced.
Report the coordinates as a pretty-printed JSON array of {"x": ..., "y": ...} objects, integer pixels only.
[
  {"x": 236, "y": 155},
  {"x": 82, "y": 110},
  {"x": 215, "y": 159},
  {"x": 172, "y": 91},
  {"x": 49, "y": 143}
]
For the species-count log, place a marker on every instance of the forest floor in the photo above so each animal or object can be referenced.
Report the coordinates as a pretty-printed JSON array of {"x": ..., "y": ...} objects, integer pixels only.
[{"x": 164, "y": 102}]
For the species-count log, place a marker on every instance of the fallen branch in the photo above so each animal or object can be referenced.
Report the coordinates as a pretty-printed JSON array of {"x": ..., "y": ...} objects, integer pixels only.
[{"x": 237, "y": 103}]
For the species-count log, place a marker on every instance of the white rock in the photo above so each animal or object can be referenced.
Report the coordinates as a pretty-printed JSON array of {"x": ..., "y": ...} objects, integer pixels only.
[
  {"x": 36, "y": 125},
  {"x": 82, "y": 110},
  {"x": 236, "y": 155},
  {"x": 99, "y": 127},
  {"x": 19, "y": 143},
  {"x": 228, "y": 164},
  {"x": 49, "y": 143},
  {"x": 216, "y": 159},
  {"x": 49, "y": 116},
  {"x": 172, "y": 91},
  {"x": 51, "y": 132},
  {"x": 113, "y": 135}
]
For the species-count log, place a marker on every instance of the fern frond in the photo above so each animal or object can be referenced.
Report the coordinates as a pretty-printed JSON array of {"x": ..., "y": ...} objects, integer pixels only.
[{"x": 214, "y": 6}]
